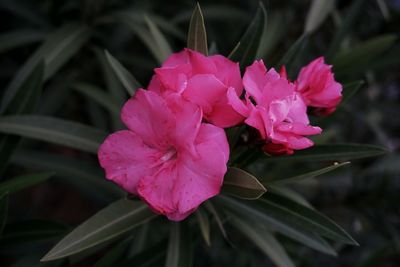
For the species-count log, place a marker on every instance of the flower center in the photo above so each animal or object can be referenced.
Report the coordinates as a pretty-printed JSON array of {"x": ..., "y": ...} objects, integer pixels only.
[{"x": 170, "y": 154}]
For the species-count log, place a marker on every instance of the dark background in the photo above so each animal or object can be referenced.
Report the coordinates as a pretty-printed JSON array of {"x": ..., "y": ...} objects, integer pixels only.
[{"x": 364, "y": 197}]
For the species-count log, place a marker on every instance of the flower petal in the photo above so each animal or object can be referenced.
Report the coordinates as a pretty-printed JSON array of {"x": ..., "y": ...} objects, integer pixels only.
[{"x": 125, "y": 159}]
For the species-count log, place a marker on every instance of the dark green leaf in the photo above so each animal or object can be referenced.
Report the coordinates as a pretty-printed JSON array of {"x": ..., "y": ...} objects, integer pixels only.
[
  {"x": 125, "y": 77},
  {"x": 164, "y": 49},
  {"x": 197, "y": 35},
  {"x": 246, "y": 51},
  {"x": 319, "y": 11},
  {"x": 204, "y": 224},
  {"x": 242, "y": 184},
  {"x": 180, "y": 246},
  {"x": 293, "y": 52},
  {"x": 349, "y": 89},
  {"x": 112, "y": 221},
  {"x": 308, "y": 175},
  {"x": 53, "y": 130},
  {"x": 23, "y": 232},
  {"x": 358, "y": 58},
  {"x": 290, "y": 212},
  {"x": 98, "y": 95},
  {"x": 257, "y": 211},
  {"x": 113, "y": 255},
  {"x": 17, "y": 38},
  {"x": 264, "y": 240},
  {"x": 25, "y": 101},
  {"x": 3, "y": 209},
  {"x": 55, "y": 51},
  {"x": 87, "y": 177},
  {"x": 210, "y": 207},
  {"x": 21, "y": 182},
  {"x": 333, "y": 152},
  {"x": 345, "y": 27}
]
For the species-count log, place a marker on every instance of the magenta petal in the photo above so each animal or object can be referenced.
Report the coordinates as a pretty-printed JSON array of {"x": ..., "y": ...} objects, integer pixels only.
[
  {"x": 223, "y": 115},
  {"x": 254, "y": 79},
  {"x": 228, "y": 72},
  {"x": 204, "y": 90},
  {"x": 176, "y": 59},
  {"x": 148, "y": 116},
  {"x": 125, "y": 159}
]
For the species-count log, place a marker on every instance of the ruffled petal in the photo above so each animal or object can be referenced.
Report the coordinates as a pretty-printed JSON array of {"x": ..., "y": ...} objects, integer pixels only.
[
  {"x": 147, "y": 115},
  {"x": 254, "y": 79},
  {"x": 126, "y": 159}
]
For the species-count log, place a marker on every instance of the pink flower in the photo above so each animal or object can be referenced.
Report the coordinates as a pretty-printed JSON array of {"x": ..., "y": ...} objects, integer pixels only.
[
  {"x": 274, "y": 108},
  {"x": 167, "y": 156},
  {"x": 318, "y": 87},
  {"x": 201, "y": 80}
]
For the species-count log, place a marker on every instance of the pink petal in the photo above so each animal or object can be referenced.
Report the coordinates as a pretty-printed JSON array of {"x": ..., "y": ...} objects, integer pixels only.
[
  {"x": 204, "y": 90},
  {"x": 176, "y": 59},
  {"x": 236, "y": 103},
  {"x": 147, "y": 115},
  {"x": 200, "y": 63},
  {"x": 223, "y": 115},
  {"x": 125, "y": 159},
  {"x": 228, "y": 72},
  {"x": 174, "y": 79},
  {"x": 254, "y": 79}
]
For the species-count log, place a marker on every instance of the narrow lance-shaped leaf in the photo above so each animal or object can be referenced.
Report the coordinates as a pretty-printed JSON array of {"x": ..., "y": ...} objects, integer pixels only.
[
  {"x": 333, "y": 152},
  {"x": 256, "y": 212},
  {"x": 264, "y": 240},
  {"x": 210, "y": 207},
  {"x": 247, "y": 48},
  {"x": 197, "y": 35},
  {"x": 163, "y": 46},
  {"x": 58, "y": 48},
  {"x": 350, "y": 89},
  {"x": 87, "y": 177},
  {"x": 294, "y": 51},
  {"x": 124, "y": 76},
  {"x": 345, "y": 27},
  {"x": 18, "y": 38},
  {"x": 319, "y": 11},
  {"x": 3, "y": 209},
  {"x": 25, "y": 101},
  {"x": 99, "y": 96},
  {"x": 112, "y": 221},
  {"x": 290, "y": 212},
  {"x": 242, "y": 184},
  {"x": 204, "y": 225},
  {"x": 308, "y": 175},
  {"x": 180, "y": 246},
  {"x": 21, "y": 182},
  {"x": 53, "y": 130}
]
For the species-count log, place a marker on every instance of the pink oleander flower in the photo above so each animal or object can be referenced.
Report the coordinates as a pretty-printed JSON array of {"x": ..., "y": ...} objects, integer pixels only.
[
  {"x": 201, "y": 80},
  {"x": 275, "y": 109},
  {"x": 318, "y": 87},
  {"x": 167, "y": 157}
]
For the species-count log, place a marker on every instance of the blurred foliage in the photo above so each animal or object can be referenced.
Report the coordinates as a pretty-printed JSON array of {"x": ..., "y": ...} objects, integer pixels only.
[{"x": 61, "y": 45}]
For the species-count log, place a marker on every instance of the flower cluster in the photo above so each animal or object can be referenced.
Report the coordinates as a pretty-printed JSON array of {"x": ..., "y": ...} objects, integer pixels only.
[{"x": 174, "y": 153}]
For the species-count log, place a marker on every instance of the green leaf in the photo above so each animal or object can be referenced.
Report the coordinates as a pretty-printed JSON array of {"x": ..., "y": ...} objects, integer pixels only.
[
  {"x": 350, "y": 89},
  {"x": 98, "y": 95},
  {"x": 204, "y": 225},
  {"x": 53, "y": 130},
  {"x": 23, "y": 232},
  {"x": 58, "y": 48},
  {"x": 112, "y": 221},
  {"x": 345, "y": 27},
  {"x": 257, "y": 211},
  {"x": 21, "y": 182},
  {"x": 18, "y": 38},
  {"x": 164, "y": 49},
  {"x": 294, "y": 51},
  {"x": 358, "y": 58},
  {"x": 242, "y": 184},
  {"x": 247, "y": 48},
  {"x": 197, "y": 35},
  {"x": 25, "y": 101},
  {"x": 308, "y": 175},
  {"x": 319, "y": 11},
  {"x": 3, "y": 209},
  {"x": 290, "y": 212},
  {"x": 333, "y": 152},
  {"x": 88, "y": 178},
  {"x": 124, "y": 76},
  {"x": 180, "y": 246},
  {"x": 264, "y": 240},
  {"x": 113, "y": 255},
  {"x": 210, "y": 207}
]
